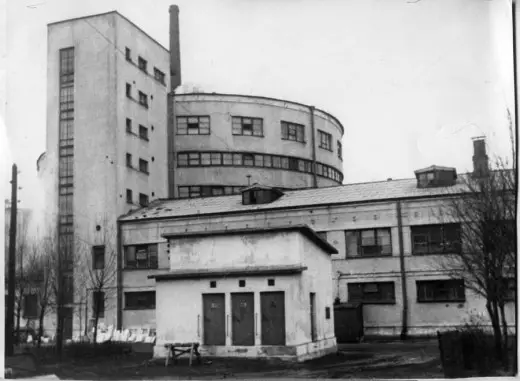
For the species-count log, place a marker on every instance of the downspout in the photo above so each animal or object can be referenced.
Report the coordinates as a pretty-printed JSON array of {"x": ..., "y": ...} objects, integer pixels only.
[
  {"x": 171, "y": 144},
  {"x": 404, "y": 328},
  {"x": 119, "y": 303},
  {"x": 313, "y": 137}
]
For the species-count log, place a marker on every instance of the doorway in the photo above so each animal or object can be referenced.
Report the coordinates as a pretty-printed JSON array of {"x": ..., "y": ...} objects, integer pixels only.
[
  {"x": 243, "y": 324},
  {"x": 272, "y": 305},
  {"x": 214, "y": 315}
]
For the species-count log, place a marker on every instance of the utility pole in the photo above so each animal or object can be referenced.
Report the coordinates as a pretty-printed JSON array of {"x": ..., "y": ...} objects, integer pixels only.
[{"x": 9, "y": 319}]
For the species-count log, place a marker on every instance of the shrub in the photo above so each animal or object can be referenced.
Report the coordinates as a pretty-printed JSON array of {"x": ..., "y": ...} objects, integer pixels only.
[{"x": 83, "y": 350}]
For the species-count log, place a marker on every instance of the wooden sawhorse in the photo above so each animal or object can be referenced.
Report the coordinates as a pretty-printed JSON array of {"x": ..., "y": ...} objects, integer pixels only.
[{"x": 175, "y": 350}]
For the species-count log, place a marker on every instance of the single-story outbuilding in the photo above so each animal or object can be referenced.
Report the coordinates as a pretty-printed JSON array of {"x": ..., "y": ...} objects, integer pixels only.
[{"x": 248, "y": 293}]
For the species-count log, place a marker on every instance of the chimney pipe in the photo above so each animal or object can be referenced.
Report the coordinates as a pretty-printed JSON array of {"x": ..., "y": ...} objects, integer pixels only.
[
  {"x": 175, "y": 51},
  {"x": 480, "y": 158}
]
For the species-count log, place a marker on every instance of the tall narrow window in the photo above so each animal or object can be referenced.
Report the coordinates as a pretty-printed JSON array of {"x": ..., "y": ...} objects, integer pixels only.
[
  {"x": 129, "y": 90},
  {"x": 129, "y": 196},
  {"x": 143, "y": 99},
  {"x": 98, "y": 303},
  {"x": 159, "y": 75},
  {"x": 98, "y": 257},
  {"x": 340, "y": 150},
  {"x": 142, "y": 64},
  {"x": 325, "y": 140},
  {"x": 129, "y": 160},
  {"x": 128, "y": 125},
  {"x": 128, "y": 54}
]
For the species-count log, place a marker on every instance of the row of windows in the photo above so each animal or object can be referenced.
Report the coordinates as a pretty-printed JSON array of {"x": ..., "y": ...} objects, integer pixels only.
[
  {"x": 250, "y": 126},
  {"x": 142, "y": 64},
  {"x": 142, "y": 97},
  {"x": 143, "y": 164},
  {"x": 246, "y": 159},
  {"x": 143, "y": 198},
  {"x": 142, "y": 133},
  {"x": 428, "y": 291},
  {"x": 208, "y": 190}
]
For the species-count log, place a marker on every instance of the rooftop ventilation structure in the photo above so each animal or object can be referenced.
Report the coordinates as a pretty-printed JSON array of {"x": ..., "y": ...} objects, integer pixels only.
[
  {"x": 260, "y": 194},
  {"x": 436, "y": 176}
]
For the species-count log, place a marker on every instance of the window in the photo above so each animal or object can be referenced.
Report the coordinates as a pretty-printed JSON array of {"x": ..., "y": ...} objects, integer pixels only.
[
  {"x": 129, "y": 160},
  {"x": 182, "y": 159},
  {"x": 128, "y": 125},
  {"x": 193, "y": 159},
  {"x": 369, "y": 242},
  {"x": 128, "y": 54},
  {"x": 293, "y": 131},
  {"x": 129, "y": 196},
  {"x": 247, "y": 126},
  {"x": 509, "y": 289},
  {"x": 193, "y": 125},
  {"x": 340, "y": 151},
  {"x": 159, "y": 75},
  {"x": 67, "y": 65},
  {"x": 129, "y": 90},
  {"x": 143, "y": 199},
  {"x": 68, "y": 286},
  {"x": 270, "y": 282},
  {"x": 440, "y": 291},
  {"x": 30, "y": 308},
  {"x": 436, "y": 239},
  {"x": 98, "y": 257},
  {"x": 142, "y": 64},
  {"x": 248, "y": 159},
  {"x": 140, "y": 300},
  {"x": 141, "y": 257},
  {"x": 98, "y": 303},
  {"x": 325, "y": 140},
  {"x": 213, "y": 284},
  {"x": 143, "y": 165},
  {"x": 143, "y": 132},
  {"x": 143, "y": 99},
  {"x": 372, "y": 293},
  {"x": 241, "y": 283}
]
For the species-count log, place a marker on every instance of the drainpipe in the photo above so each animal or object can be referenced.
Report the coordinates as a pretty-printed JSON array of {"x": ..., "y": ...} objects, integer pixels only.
[
  {"x": 119, "y": 302},
  {"x": 404, "y": 328},
  {"x": 313, "y": 137},
  {"x": 170, "y": 142}
]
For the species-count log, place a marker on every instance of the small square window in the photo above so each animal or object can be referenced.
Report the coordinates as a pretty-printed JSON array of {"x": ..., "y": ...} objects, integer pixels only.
[
  {"x": 213, "y": 284},
  {"x": 241, "y": 283},
  {"x": 270, "y": 282}
]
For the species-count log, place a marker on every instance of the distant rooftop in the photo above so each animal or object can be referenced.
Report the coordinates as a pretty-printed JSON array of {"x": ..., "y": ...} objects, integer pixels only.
[{"x": 342, "y": 194}]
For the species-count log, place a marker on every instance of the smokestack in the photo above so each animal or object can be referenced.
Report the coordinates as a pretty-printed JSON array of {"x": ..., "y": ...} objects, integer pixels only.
[
  {"x": 480, "y": 158},
  {"x": 175, "y": 50}
]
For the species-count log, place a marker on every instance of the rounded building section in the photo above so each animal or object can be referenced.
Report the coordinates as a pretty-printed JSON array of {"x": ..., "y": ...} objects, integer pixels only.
[{"x": 223, "y": 142}]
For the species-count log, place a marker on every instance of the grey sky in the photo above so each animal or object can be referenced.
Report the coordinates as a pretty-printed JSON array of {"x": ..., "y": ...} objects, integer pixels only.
[{"x": 412, "y": 81}]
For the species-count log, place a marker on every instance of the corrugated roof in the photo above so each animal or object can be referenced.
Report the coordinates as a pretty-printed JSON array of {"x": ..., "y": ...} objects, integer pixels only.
[{"x": 342, "y": 194}]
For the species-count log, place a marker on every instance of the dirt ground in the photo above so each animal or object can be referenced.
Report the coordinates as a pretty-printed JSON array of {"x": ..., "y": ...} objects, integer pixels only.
[{"x": 415, "y": 359}]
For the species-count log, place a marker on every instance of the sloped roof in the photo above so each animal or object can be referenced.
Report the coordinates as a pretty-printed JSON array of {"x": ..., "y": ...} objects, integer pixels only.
[{"x": 342, "y": 194}]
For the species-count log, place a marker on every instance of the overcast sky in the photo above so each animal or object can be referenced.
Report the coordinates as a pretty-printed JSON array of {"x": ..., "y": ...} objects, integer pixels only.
[{"x": 411, "y": 81}]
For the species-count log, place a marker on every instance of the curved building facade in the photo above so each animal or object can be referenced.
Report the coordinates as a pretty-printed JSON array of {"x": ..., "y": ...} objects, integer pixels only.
[{"x": 223, "y": 142}]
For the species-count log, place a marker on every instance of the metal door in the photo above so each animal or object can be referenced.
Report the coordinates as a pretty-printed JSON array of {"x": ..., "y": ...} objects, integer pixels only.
[
  {"x": 272, "y": 305},
  {"x": 214, "y": 315},
  {"x": 243, "y": 323}
]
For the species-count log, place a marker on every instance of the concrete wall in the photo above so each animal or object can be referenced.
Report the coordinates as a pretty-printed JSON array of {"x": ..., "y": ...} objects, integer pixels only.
[
  {"x": 384, "y": 319},
  {"x": 221, "y": 108},
  {"x": 100, "y": 138},
  {"x": 183, "y": 298}
]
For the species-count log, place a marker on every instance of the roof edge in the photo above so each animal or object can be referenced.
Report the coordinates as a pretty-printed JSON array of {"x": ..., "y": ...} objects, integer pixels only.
[
  {"x": 271, "y": 99},
  {"x": 304, "y": 229},
  {"x": 108, "y": 13}
]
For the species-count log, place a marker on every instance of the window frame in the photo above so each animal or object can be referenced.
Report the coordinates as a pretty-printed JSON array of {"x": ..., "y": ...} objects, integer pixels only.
[
  {"x": 415, "y": 234},
  {"x": 129, "y": 160},
  {"x": 144, "y": 166},
  {"x": 145, "y": 198},
  {"x": 143, "y": 132},
  {"x": 142, "y": 64},
  {"x": 150, "y": 306},
  {"x": 237, "y": 126},
  {"x": 152, "y": 256},
  {"x": 186, "y": 129},
  {"x": 129, "y": 200},
  {"x": 363, "y": 286},
  {"x": 128, "y": 54},
  {"x": 325, "y": 140},
  {"x": 459, "y": 286},
  {"x": 143, "y": 99},
  {"x": 96, "y": 255},
  {"x": 291, "y": 131},
  {"x": 159, "y": 76},
  {"x": 358, "y": 233}
]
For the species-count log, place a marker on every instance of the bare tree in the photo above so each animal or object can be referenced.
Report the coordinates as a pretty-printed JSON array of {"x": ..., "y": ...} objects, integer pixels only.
[
  {"x": 99, "y": 262},
  {"x": 487, "y": 261}
]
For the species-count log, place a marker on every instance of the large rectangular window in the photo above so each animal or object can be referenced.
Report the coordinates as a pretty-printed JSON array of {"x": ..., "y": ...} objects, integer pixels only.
[
  {"x": 368, "y": 242},
  {"x": 140, "y": 300},
  {"x": 98, "y": 303},
  {"x": 247, "y": 126},
  {"x": 372, "y": 293},
  {"x": 141, "y": 256},
  {"x": 436, "y": 239},
  {"x": 30, "y": 306},
  {"x": 440, "y": 291},
  {"x": 293, "y": 131},
  {"x": 193, "y": 125},
  {"x": 325, "y": 140}
]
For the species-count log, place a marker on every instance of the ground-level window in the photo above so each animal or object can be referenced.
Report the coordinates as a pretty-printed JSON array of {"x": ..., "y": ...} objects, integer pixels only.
[
  {"x": 98, "y": 303},
  {"x": 30, "y": 308},
  {"x": 141, "y": 256},
  {"x": 372, "y": 293},
  {"x": 140, "y": 300},
  {"x": 451, "y": 290}
]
